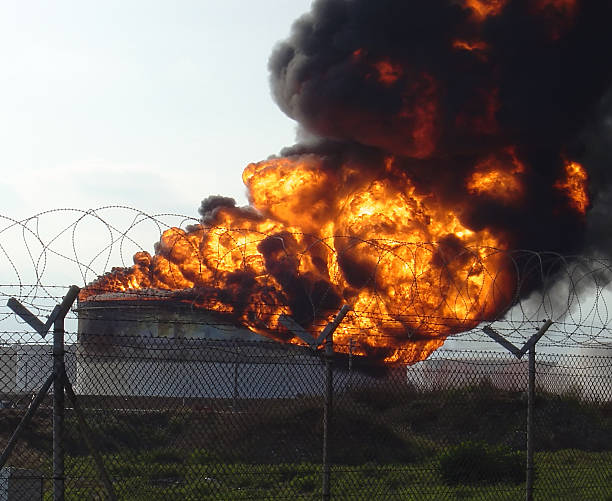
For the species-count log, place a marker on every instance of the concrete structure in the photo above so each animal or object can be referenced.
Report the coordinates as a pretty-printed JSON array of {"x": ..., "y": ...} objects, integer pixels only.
[
  {"x": 595, "y": 365},
  {"x": 25, "y": 367},
  {"x": 503, "y": 372}
]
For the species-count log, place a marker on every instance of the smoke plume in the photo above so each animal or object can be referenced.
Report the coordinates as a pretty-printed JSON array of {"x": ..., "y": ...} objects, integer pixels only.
[
  {"x": 445, "y": 85},
  {"x": 435, "y": 138}
]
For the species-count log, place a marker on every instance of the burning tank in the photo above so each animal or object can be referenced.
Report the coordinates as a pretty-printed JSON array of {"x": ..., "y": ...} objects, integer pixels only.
[
  {"x": 435, "y": 140},
  {"x": 156, "y": 346},
  {"x": 153, "y": 346}
]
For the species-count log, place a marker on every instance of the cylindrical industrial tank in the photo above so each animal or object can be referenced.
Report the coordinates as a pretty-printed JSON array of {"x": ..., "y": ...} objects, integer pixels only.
[{"x": 166, "y": 348}]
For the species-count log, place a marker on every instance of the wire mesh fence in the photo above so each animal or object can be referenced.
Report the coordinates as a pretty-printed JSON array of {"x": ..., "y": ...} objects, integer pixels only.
[
  {"x": 241, "y": 417},
  {"x": 200, "y": 390}
]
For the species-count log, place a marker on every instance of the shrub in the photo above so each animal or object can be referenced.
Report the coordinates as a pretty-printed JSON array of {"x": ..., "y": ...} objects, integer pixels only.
[
  {"x": 165, "y": 476},
  {"x": 165, "y": 456},
  {"x": 479, "y": 463},
  {"x": 305, "y": 485},
  {"x": 202, "y": 456}
]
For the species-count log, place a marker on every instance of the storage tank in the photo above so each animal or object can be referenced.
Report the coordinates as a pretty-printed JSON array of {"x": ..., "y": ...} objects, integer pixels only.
[{"x": 168, "y": 348}]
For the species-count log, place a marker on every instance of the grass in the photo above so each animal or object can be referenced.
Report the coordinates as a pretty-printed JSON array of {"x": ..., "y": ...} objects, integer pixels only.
[
  {"x": 386, "y": 443},
  {"x": 480, "y": 463},
  {"x": 169, "y": 475}
]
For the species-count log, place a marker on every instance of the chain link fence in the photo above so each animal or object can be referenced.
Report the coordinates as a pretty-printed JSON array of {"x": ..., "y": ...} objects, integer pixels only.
[
  {"x": 168, "y": 400},
  {"x": 221, "y": 413}
]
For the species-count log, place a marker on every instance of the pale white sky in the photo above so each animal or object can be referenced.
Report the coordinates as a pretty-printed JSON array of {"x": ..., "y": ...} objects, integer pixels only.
[{"x": 149, "y": 104}]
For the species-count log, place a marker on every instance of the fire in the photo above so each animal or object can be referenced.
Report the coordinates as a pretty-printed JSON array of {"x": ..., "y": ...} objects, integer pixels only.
[
  {"x": 477, "y": 46},
  {"x": 558, "y": 14},
  {"x": 401, "y": 258},
  {"x": 419, "y": 115},
  {"x": 470, "y": 45},
  {"x": 388, "y": 73},
  {"x": 575, "y": 186},
  {"x": 499, "y": 177},
  {"x": 482, "y": 9},
  {"x": 412, "y": 123},
  {"x": 435, "y": 140}
]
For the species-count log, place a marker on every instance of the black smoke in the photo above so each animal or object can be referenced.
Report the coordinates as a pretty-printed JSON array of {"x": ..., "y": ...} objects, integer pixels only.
[{"x": 539, "y": 84}]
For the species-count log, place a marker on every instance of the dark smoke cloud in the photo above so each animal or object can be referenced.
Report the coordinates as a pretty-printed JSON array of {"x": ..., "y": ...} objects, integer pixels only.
[
  {"x": 442, "y": 92},
  {"x": 539, "y": 85},
  {"x": 598, "y": 140},
  {"x": 211, "y": 205}
]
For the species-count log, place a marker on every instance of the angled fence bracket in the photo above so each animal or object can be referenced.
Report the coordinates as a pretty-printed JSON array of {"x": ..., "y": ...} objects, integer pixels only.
[
  {"x": 324, "y": 338},
  {"x": 59, "y": 379},
  {"x": 529, "y": 346}
]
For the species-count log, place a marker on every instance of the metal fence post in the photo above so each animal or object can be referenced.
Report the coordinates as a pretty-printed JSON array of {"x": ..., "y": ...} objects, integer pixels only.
[
  {"x": 529, "y": 346},
  {"x": 327, "y": 415},
  {"x": 530, "y": 412},
  {"x": 58, "y": 409},
  {"x": 56, "y": 318},
  {"x": 325, "y": 339}
]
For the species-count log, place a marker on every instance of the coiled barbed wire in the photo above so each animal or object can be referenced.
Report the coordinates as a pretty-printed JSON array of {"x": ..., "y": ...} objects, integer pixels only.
[{"x": 42, "y": 253}]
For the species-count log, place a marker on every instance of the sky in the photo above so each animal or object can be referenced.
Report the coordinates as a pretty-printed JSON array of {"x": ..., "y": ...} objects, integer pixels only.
[
  {"x": 146, "y": 104},
  {"x": 149, "y": 104}
]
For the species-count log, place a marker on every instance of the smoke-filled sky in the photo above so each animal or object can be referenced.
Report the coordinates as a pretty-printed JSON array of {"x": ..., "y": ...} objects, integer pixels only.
[
  {"x": 150, "y": 104},
  {"x": 156, "y": 105}
]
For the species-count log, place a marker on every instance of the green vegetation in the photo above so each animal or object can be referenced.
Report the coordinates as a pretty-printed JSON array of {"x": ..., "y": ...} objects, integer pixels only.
[
  {"x": 388, "y": 442},
  {"x": 473, "y": 463},
  {"x": 150, "y": 477}
]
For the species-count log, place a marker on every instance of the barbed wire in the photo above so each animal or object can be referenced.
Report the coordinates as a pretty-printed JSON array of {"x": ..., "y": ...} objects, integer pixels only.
[{"x": 454, "y": 294}]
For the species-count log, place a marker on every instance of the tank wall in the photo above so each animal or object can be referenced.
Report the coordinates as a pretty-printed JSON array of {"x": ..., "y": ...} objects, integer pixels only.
[
  {"x": 113, "y": 321},
  {"x": 160, "y": 350},
  {"x": 204, "y": 379}
]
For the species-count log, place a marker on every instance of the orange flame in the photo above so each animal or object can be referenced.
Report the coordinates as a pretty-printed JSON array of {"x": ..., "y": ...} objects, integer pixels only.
[
  {"x": 575, "y": 186},
  {"x": 406, "y": 260},
  {"x": 412, "y": 272},
  {"x": 470, "y": 45},
  {"x": 388, "y": 73},
  {"x": 419, "y": 116},
  {"x": 499, "y": 177},
  {"x": 412, "y": 126},
  {"x": 482, "y": 9}
]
